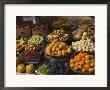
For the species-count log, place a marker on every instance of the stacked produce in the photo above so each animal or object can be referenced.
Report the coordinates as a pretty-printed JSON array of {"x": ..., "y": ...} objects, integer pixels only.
[
  {"x": 83, "y": 63},
  {"x": 25, "y": 25},
  {"x": 84, "y": 45},
  {"x": 40, "y": 30},
  {"x": 84, "y": 31},
  {"x": 30, "y": 68},
  {"x": 63, "y": 45},
  {"x": 58, "y": 48},
  {"x": 59, "y": 35},
  {"x": 28, "y": 55},
  {"x": 43, "y": 69},
  {"x": 36, "y": 39},
  {"x": 60, "y": 23},
  {"x": 20, "y": 47},
  {"x": 24, "y": 29},
  {"x": 30, "y": 50},
  {"x": 58, "y": 67},
  {"x": 30, "y": 47}
]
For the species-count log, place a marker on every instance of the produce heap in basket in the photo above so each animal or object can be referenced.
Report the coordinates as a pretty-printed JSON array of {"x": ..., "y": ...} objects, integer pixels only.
[
  {"x": 59, "y": 35},
  {"x": 83, "y": 63},
  {"x": 58, "y": 48},
  {"x": 63, "y": 45}
]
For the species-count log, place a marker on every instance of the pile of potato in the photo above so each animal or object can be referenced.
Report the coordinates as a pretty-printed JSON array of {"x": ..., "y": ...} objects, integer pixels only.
[
  {"x": 84, "y": 45},
  {"x": 84, "y": 31}
]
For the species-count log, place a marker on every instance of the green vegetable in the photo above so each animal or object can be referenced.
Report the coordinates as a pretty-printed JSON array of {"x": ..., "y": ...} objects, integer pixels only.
[
  {"x": 43, "y": 69},
  {"x": 37, "y": 39}
]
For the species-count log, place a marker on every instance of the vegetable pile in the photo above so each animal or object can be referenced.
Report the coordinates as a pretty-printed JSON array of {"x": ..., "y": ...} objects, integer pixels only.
[
  {"x": 59, "y": 35},
  {"x": 36, "y": 39},
  {"x": 84, "y": 45}
]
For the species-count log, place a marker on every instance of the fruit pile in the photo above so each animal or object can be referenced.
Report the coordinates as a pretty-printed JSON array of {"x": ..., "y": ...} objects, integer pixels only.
[
  {"x": 20, "y": 44},
  {"x": 60, "y": 23},
  {"x": 24, "y": 25},
  {"x": 43, "y": 69},
  {"x": 21, "y": 68},
  {"x": 36, "y": 39},
  {"x": 84, "y": 31},
  {"x": 28, "y": 56},
  {"x": 38, "y": 29},
  {"x": 84, "y": 45},
  {"x": 58, "y": 67},
  {"x": 21, "y": 41},
  {"x": 83, "y": 63},
  {"x": 59, "y": 35},
  {"x": 20, "y": 47},
  {"x": 58, "y": 48},
  {"x": 30, "y": 47}
]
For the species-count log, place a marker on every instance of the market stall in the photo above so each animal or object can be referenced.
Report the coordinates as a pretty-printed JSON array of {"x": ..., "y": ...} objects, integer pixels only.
[{"x": 55, "y": 45}]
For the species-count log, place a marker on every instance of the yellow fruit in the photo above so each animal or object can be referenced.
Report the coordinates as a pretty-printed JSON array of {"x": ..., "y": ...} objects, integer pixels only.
[
  {"x": 63, "y": 52},
  {"x": 21, "y": 68},
  {"x": 72, "y": 65},
  {"x": 55, "y": 53},
  {"x": 53, "y": 49},
  {"x": 59, "y": 53},
  {"x": 30, "y": 68},
  {"x": 60, "y": 46},
  {"x": 69, "y": 50},
  {"x": 57, "y": 49}
]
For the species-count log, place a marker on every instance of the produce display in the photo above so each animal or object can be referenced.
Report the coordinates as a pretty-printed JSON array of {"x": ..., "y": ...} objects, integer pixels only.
[
  {"x": 60, "y": 23},
  {"x": 21, "y": 68},
  {"x": 56, "y": 45},
  {"x": 58, "y": 48},
  {"x": 36, "y": 39},
  {"x": 58, "y": 34},
  {"x": 30, "y": 68},
  {"x": 38, "y": 29},
  {"x": 23, "y": 29},
  {"x": 58, "y": 67},
  {"x": 28, "y": 56},
  {"x": 84, "y": 31},
  {"x": 24, "y": 25},
  {"x": 84, "y": 45},
  {"x": 30, "y": 47},
  {"x": 21, "y": 41},
  {"x": 20, "y": 47},
  {"x": 43, "y": 69},
  {"x": 83, "y": 63}
]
